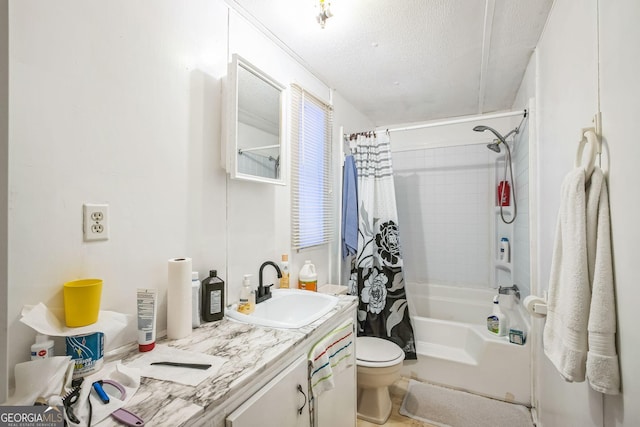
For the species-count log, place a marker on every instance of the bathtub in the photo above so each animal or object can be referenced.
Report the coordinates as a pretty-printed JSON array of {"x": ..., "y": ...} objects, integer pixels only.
[{"x": 456, "y": 350}]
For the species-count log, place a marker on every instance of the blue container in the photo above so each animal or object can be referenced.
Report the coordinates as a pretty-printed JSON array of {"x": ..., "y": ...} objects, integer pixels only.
[{"x": 87, "y": 352}]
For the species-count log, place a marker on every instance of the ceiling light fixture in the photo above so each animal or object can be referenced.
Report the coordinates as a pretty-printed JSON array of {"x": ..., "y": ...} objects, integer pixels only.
[{"x": 324, "y": 14}]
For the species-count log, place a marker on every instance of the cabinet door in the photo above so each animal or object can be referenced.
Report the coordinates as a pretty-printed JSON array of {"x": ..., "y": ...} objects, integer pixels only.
[
  {"x": 279, "y": 403},
  {"x": 337, "y": 407}
]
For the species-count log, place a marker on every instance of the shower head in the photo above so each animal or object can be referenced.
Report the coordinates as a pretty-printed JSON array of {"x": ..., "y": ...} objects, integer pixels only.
[
  {"x": 494, "y": 146},
  {"x": 483, "y": 128}
]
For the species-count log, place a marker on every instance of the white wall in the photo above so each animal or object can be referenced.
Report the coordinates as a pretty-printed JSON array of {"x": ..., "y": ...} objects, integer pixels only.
[
  {"x": 568, "y": 88},
  {"x": 120, "y": 102},
  {"x": 4, "y": 153},
  {"x": 114, "y": 102},
  {"x": 259, "y": 214},
  {"x": 619, "y": 95}
]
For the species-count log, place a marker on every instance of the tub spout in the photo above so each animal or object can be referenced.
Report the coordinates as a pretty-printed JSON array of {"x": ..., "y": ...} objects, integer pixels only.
[{"x": 506, "y": 290}]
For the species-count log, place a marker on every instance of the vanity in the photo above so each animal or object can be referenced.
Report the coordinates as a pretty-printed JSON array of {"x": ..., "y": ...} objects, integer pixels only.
[{"x": 258, "y": 383}]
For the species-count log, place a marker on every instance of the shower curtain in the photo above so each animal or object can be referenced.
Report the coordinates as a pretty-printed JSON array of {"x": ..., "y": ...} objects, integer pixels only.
[{"x": 376, "y": 270}]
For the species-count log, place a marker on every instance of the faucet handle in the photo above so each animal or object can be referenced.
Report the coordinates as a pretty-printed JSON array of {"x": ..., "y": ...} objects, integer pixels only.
[{"x": 506, "y": 290}]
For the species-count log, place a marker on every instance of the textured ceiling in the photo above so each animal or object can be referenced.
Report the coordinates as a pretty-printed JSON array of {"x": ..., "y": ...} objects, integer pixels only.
[{"x": 402, "y": 61}]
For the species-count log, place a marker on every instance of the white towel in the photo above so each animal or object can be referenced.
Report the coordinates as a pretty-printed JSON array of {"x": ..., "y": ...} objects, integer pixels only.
[
  {"x": 565, "y": 331},
  {"x": 330, "y": 356},
  {"x": 603, "y": 369},
  {"x": 579, "y": 334}
]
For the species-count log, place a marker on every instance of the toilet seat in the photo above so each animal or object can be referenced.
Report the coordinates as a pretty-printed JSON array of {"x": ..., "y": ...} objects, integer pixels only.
[{"x": 375, "y": 352}]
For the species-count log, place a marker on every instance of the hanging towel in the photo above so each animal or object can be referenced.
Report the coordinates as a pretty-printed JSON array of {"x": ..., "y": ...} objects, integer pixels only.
[
  {"x": 603, "y": 370},
  {"x": 349, "y": 208},
  {"x": 330, "y": 356},
  {"x": 579, "y": 335},
  {"x": 569, "y": 296}
]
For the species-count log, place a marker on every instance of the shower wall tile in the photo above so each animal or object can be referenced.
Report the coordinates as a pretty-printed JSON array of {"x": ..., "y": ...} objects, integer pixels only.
[
  {"x": 521, "y": 238},
  {"x": 444, "y": 197}
]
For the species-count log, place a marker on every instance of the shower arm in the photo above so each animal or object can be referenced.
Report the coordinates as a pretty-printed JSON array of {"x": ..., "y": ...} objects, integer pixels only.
[
  {"x": 517, "y": 129},
  {"x": 514, "y": 131}
]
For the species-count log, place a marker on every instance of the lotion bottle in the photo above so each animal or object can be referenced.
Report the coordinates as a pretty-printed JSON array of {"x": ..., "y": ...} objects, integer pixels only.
[
  {"x": 497, "y": 322},
  {"x": 244, "y": 305},
  {"x": 284, "y": 280}
]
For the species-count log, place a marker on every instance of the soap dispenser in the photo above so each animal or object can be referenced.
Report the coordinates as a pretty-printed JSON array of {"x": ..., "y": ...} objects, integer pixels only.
[
  {"x": 497, "y": 322},
  {"x": 244, "y": 305}
]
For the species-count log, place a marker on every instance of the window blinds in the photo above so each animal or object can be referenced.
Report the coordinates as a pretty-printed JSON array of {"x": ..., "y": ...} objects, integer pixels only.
[{"x": 312, "y": 219}]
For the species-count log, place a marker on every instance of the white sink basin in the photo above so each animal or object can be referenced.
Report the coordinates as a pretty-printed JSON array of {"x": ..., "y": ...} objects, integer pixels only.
[{"x": 287, "y": 308}]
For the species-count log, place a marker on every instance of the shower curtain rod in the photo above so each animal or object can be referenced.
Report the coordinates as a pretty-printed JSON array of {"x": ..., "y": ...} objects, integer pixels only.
[{"x": 456, "y": 121}]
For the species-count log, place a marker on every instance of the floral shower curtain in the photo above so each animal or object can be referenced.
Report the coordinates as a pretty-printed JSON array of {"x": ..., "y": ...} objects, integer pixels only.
[{"x": 376, "y": 270}]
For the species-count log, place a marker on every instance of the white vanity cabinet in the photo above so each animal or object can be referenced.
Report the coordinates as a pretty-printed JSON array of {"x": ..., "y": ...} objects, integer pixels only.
[
  {"x": 337, "y": 407},
  {"x": 279, "y": 402},
  {"x": 282, "y": 402}
]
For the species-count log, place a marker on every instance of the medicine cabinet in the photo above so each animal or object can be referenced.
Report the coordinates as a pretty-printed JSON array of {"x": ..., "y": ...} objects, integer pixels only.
[{"x": 253, "y": 145}]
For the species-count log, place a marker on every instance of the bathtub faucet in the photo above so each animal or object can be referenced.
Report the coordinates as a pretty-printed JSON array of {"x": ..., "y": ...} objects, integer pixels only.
[{"x": 506, "y": 290}]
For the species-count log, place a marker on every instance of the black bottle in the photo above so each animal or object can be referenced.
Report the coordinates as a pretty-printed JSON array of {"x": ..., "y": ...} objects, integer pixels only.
[{"x": 212, "y": 297}]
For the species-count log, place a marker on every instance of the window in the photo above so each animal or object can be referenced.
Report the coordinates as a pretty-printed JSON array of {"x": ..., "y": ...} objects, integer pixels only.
[{"x": 311, "y": 195}]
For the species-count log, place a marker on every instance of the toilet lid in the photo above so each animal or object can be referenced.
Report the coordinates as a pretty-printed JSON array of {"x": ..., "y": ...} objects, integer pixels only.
[{"x": 371, "y": 349}]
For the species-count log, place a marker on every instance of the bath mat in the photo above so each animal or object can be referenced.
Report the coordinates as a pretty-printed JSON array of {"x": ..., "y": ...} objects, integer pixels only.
[{"x": 444, "y": 407}]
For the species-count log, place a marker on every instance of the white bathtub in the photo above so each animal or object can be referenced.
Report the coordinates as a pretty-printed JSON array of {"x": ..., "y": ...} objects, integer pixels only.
[{"x": 455, "y": 349}]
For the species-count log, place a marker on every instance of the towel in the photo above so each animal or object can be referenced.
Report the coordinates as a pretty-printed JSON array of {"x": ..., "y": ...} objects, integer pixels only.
[
  {"x": 580, "y": 326},
  {"x": 51, "y": 379},
  {"x": 40, "y": 378},
  {"x": 349, "y": 208},
  {"x": 565, "y": 331},
  {"x": 603, "y": 370},
  {"x": 330, "y": 356}
]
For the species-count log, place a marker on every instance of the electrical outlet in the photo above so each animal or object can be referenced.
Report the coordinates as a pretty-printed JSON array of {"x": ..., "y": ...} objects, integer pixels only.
[{"x": 95, "y": 223}]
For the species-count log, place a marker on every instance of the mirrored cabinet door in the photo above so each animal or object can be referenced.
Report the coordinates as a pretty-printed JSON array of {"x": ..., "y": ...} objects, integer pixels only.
[{"x": 254, "y": 146}]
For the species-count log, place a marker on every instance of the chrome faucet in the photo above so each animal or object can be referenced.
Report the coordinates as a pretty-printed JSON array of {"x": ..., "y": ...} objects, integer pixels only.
[
  {"x": 264, "y": 292},
  {"x": 506, "y": 290}
]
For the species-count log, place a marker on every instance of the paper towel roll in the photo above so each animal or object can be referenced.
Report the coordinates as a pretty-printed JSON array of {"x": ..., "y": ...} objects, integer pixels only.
[
  {"x": 530, "y": 302},
  {"x": 179, "y": 298}
]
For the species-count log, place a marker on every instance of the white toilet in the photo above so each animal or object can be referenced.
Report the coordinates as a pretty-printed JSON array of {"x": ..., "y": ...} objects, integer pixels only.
[{"x": 378, "y": 366}]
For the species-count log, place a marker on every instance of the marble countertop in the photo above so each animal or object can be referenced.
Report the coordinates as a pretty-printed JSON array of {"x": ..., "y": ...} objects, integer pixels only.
[{"x": 250, "y": 351}]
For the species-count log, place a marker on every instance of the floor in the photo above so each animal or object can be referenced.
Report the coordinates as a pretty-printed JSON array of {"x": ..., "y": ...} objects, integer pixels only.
[{"x": 397, "y": 391}]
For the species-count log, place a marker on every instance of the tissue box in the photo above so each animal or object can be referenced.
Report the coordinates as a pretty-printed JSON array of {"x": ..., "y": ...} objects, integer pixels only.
[{"x": 517, "y": 336}]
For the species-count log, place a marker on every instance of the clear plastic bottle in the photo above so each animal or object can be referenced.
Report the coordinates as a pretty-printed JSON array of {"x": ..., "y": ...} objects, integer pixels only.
[
  {"x": 284, "y": 281},
  {"x": 42, "y": 348},
  {"x": 195, "y": 299}
]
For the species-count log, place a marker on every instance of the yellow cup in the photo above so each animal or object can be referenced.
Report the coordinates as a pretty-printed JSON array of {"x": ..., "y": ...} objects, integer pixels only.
[{"x": 82, "y": 302}]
